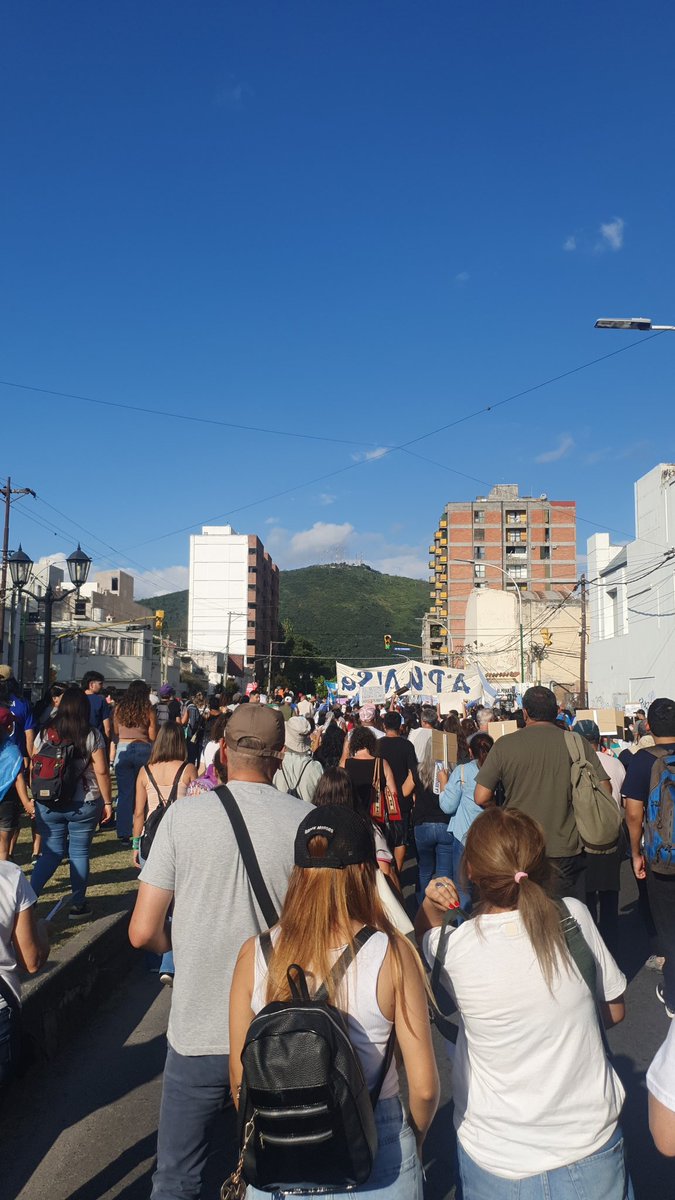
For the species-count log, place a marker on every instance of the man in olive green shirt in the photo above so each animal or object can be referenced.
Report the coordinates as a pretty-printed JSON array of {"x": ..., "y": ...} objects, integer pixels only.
[{"x": 535, "y": 769}]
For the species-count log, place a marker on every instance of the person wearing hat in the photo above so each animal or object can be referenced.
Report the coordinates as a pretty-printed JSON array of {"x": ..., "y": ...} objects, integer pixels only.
[
  {"x": 603, "y": 871},
  {"x": 195, "y": 864},
  {"x": 299, "y": 773},
  {"x": 332, "y": 895},
  {"x": 24, "y": 721}
]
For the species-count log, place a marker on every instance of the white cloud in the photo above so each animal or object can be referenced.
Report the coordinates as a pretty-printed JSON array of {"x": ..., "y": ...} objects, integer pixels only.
[
  {"x": 369, "y": 455},
  {"x": 327, "y": 498},
  {"x": 271, "y": 520},
  {"x": 322, "y": 538},
  {"x": 462, "y": 277},
  {"x": 565, "y": 444},
  {"x": 570, "y": 243},
  {"x": 159, "y": 581},
  {"x": 612, "y": 234}
]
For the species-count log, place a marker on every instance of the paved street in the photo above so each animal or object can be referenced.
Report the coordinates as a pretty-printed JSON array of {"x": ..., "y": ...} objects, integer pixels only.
[{"x": 85, "y": 1127}]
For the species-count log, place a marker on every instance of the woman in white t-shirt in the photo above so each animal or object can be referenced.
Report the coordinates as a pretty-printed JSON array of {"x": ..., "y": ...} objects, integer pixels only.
[
  {"x": 331, "y": 898},
  {"x": 23, "y": 943},
  {"x": 661, "y": 1089},
  {"x": 536, "y": 1099}
]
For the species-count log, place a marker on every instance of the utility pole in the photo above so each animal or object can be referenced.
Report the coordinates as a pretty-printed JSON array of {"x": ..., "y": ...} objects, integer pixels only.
[
  {"x": 7, "y": 492},
  {"x": 582, "y": 654}
]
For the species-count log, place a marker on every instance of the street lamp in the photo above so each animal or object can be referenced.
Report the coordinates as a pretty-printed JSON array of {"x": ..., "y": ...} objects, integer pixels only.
[
  {"x": 20, "y": 568},
  {"x": 641, "y": 324}
]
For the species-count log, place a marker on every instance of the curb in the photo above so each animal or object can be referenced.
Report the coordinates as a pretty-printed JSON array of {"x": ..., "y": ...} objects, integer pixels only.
[{"x": 58, "y": 1002}]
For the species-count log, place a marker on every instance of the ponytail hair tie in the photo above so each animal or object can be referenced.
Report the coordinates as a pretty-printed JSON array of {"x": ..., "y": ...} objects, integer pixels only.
[{"x": 520, "y": 875}]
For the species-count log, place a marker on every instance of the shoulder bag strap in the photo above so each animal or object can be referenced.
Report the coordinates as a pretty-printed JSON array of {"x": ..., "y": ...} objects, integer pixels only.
[
  {"x": 248, "y": 854},
  {"x": 573, "y": 746},
  {"x": 582, "y": 957},
  {"x": 446, "y": 1028},
  {"x": 345, "y": 960}
]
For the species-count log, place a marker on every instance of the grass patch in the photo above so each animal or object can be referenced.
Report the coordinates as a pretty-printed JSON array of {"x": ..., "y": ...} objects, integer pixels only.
[{"x": 112, "y": 878}]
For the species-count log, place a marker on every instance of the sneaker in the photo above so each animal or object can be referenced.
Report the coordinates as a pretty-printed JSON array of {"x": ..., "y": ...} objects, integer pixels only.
[
  {"x": 166, "y": 979},
  {"x": 79, "y": 912},
  {"x": 661, "y": 995},
  {"x": 655, "y": 962}
]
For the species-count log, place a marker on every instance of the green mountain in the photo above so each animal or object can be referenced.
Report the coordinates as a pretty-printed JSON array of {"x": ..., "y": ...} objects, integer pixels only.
[
  {"x": 346, "y": 610},
  {"x": 342, "y": 610}
]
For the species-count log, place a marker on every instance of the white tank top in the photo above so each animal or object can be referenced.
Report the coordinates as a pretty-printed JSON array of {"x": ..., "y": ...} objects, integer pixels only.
[{"x": 368, "y": 1028}]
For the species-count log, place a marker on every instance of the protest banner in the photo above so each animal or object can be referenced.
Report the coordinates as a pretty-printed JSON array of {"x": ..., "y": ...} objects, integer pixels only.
[{"x": 419, "y": 679}]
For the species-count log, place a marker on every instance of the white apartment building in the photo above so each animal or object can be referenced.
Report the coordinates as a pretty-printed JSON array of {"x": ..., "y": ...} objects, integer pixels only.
[
  {"x": 234, "y": 596},
  {"x": 631, "y": 656}
]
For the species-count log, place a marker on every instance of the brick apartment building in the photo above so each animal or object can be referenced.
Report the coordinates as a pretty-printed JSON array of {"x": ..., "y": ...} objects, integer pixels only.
[{"x": 531, "y": 538}]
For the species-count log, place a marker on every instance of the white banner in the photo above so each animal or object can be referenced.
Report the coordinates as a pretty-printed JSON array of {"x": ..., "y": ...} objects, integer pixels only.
[{"x": 421, "y": 679}]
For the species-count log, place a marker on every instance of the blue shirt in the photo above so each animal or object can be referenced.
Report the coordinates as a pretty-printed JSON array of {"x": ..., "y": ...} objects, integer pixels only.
[
  {"x": 99, "y": 710},
  {"x": 457, "y": 799},
  {"x": 638, "y": 773},
  {"x": 23, "y": 720}
]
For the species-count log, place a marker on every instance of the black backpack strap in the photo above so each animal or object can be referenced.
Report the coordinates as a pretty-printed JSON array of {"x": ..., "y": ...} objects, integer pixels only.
[
  {"x": 174, "y": 786},
  {"x": 155, "y": 784},
  {"x": 266, "y": 946},
  {"x": 248, "y": 854},
  {"x": 344, "y": 962}
]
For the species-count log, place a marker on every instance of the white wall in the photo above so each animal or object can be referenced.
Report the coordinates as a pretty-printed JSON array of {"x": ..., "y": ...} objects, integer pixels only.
[
  {"x": 218, "y": 586},
  {"x": 632, "y": 648},
  {"x": 491, "y": 619}
]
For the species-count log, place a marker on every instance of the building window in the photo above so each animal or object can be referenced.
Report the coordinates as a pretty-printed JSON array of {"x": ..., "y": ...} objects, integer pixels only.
[
  {"x": 516, "y": 516},
  {"x": 479, "y": 535},
  {"x": 479, "y": 571},
  {"x": 544, "y": 552},
  {"x": 128, "y": 647},
  {"x": 114, "y": 584},
  {"x": 547, "y": 516},
  {"x": 107, "y": 645},
  {"x": 64, "y": 645},
  {"x": 479, "y": 516},
  {"x": 479, "y": 551},
  {"x": 86, "y": 644},
  {"x": 518, "y": 572}
]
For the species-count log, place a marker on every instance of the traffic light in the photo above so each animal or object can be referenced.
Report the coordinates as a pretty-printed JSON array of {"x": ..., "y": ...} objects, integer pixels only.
[
  {"x": 159, "y": 618},
  {"x": 387, "y": 641},
  {"x": 546, "y": 637}
]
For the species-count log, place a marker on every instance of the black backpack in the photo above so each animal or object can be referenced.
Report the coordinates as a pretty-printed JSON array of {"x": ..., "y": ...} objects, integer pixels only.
[
  {"x": 152, "y": 823},
  {"x": 56, "y": 769},
  {"x": 306, "y": 1117}
]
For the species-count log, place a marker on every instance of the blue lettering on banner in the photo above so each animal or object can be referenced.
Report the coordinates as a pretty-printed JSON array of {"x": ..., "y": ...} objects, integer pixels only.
[
  {"x": 436, "y": 679},
  {"x": 460, "y": 684},
  {"x": 416, "y": 679}
]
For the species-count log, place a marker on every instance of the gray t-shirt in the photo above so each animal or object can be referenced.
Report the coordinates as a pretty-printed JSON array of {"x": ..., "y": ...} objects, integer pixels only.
[{"x": 194, "y": 855}]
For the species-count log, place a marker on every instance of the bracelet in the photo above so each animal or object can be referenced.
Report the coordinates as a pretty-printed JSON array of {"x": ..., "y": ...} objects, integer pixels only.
[{"x": 135, "y": 843}]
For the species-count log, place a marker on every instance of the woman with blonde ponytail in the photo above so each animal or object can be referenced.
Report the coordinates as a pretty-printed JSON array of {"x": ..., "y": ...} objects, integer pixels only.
[{"x": 537, "y": 1102}]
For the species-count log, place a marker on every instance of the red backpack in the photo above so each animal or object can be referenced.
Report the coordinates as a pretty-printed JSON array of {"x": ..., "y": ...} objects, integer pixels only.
[{"x": 57, "y": 768}]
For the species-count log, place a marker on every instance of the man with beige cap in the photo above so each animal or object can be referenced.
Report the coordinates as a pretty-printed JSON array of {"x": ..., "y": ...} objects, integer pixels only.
[{"x": 195, "y": 863}]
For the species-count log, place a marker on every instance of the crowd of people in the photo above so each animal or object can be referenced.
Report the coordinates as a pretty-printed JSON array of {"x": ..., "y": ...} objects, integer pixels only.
[{"x": 246, "y": 814}]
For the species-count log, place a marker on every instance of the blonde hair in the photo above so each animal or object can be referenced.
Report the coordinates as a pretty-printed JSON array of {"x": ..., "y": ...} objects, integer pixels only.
[
  {"x": 319, "y": 902},
  {"x": 499, "y": 845}
]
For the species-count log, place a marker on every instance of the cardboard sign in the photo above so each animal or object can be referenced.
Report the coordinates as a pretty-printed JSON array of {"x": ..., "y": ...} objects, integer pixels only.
[
  {"x": 609, "y": 721},
  {"x": 498, "y": 729},
  {"x": 373, "y": 694},
  {"x": 444, "y": 747}
]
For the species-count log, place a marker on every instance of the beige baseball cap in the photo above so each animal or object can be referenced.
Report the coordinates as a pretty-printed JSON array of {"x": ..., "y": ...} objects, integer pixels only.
[{"x": 256, "y": 723}]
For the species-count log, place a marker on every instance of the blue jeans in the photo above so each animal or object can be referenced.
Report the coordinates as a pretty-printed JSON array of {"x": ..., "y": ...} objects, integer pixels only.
[
  {"x": 193, "y": 1092},
  {"x": 456, "y": 874},
  {"x": 71, "y": 830},
  {"x": 601, "y": 1176},
  {"x": 434, "y": 853},
  {"x": 396, "y": 1173},
  {"x": 130, "y": 757}
]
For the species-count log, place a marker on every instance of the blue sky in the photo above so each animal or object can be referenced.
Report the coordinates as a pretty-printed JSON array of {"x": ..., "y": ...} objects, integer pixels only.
[{"x": 359, "y": 221}]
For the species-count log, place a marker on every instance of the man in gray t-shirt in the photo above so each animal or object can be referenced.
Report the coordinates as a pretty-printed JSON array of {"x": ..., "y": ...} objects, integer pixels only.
[{"x": 195, "y": 863}]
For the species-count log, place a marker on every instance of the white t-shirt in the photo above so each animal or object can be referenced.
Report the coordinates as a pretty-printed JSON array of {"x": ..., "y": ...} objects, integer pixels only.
[
  {"x": 616, "y": 772},
  {"x": 419, "y": 738},
  {"x": 532, "y": 1085},
  {"x": 16, "y": 894},
  {"x": 661, "y": 1074}
]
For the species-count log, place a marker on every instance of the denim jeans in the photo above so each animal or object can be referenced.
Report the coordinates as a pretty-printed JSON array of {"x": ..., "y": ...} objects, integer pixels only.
[
  {"x": 71, "y": 830},
  {"x": 9, "y": 1043},
  {"x": 456, "y": 875},
  {"x": 193, "y": 1092},
  {"x": 396, "y": 1173},
  {"x": 130, "y": 757},
  {"x": 601, "y": 1176},
  {"x": 434, "y": 853},
  {"x": 661, "y": 892}
]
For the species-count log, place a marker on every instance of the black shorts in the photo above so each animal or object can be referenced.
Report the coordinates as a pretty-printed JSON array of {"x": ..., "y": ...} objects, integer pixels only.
[
  {"x": 398, "y": 832},
  {"x": 10, "y": 811}
]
